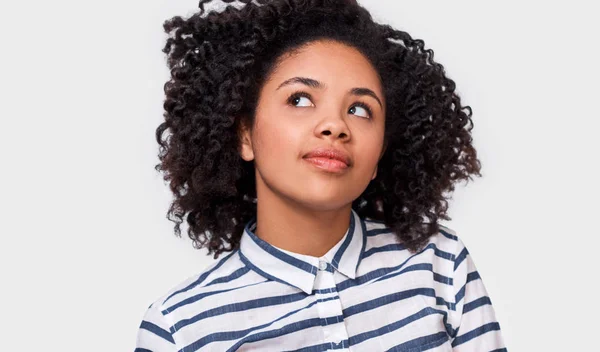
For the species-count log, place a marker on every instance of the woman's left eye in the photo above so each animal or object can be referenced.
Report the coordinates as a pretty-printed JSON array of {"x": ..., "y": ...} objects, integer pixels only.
[{"x": 367, "y": 110}]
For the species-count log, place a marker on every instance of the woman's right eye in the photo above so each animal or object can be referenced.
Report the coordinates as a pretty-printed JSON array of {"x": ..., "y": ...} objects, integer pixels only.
[{"x": 299, "y": 98}]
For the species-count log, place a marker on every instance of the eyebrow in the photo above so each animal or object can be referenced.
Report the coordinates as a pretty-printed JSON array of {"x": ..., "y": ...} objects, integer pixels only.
[{"x": 313, "y": 83}]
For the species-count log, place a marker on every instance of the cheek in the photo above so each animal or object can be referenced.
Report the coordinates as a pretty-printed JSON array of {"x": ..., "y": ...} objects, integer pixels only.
[
  {"x": 369, "y": 161},
  {"x": 275, "y": 142},
  {"x": 370, "y": 142},
  {"x": 369, "y": 156}
]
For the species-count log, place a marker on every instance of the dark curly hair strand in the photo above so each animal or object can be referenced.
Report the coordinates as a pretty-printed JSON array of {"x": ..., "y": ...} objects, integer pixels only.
[{"x": 219, "y": 62}]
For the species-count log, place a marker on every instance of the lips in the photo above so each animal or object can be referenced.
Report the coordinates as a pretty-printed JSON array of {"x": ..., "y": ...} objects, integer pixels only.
[{"x": 330, "y": 153}]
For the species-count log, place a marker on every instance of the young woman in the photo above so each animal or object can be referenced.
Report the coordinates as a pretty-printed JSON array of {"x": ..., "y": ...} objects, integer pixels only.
[{"x": 315, "y": 146}]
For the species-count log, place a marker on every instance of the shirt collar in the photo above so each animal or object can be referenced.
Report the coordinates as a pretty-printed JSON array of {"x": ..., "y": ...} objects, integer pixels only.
[{"x": 300, "y": 270}]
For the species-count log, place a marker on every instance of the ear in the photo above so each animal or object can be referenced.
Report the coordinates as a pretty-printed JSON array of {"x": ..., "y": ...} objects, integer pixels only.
[
  {"x": 374, "y": 174},
  {"x": 245, "y": 142}
]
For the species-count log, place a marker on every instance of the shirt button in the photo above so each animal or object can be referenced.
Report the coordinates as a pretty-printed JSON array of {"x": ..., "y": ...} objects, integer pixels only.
[{"x": 322, "y": 265}]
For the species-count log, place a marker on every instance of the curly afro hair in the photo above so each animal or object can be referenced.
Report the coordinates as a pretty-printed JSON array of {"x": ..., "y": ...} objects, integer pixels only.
[{"x": 218, "y": 62}]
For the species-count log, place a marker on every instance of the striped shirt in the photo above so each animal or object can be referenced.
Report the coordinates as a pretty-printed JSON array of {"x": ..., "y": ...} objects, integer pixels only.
[{"x": 367, "y": 293}]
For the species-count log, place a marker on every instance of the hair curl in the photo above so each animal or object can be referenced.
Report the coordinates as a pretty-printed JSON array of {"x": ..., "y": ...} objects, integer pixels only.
[{"x": 218, "y": 63}]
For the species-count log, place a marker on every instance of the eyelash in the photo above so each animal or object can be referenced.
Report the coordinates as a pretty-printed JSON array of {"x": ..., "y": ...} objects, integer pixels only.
[{"x": 300, "y": 93}]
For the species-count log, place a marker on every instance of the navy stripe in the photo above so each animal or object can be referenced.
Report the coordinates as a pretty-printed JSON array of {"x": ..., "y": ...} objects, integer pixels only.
[
  {"x": 241, "y": 306},
  {"x": 442, "y": 302},
  {"x": 422, "y": 343},
  {"x": 199, "y": 296},
  {"x": 441, "y": 278},
  {"x": 233, "y": 335},
  {"x": 470, "y": 277},
  {"x": 475, "y": 333},
  {"x": 287, "y": 329},
  {"x": 202, "y": 277},
  {"x": 338, "y": 255},
  {"x": 442, "y": 254},
  {"x": 386, "y": 329},
  {"x": 476, "y": 303},
  {"x": 375, "y": 232},
  {"x": 428, "y": 267},
  {"x": 284, "y": 257},
  {"x": 141, "y": 350},
  {"x": 448, "y": 235},
  {"x": 414, "y": 267},
  {"x": 236, "y": 274},
  {"x": 325, "y": 290},
  {"x": 460, "y": 294},
  {"x": 387, "y": 299},
  {"x": 379, "y": 272},
  {"x": 157, "y": 330},
  {"x": 262, "y": 273},
  {"x": 363, "y": 227},
  {"x": 459, "y": 259},
  {"x": 387, "y": 248},
  {"x": 422, "y": 266}
]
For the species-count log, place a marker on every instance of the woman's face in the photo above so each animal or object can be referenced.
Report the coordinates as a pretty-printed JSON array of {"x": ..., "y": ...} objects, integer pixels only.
[{"x": 334, "y": 82}]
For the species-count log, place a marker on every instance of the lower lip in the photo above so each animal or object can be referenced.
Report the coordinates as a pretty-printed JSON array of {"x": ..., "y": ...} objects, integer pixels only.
[{"x": 331, "y": 165}]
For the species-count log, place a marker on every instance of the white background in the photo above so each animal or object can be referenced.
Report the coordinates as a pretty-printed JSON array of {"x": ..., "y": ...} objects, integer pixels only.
[{"x": 86, "y": 246}]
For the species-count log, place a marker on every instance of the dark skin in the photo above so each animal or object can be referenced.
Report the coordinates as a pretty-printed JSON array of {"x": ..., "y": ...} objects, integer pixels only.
[{"x": 302, "y": 208}]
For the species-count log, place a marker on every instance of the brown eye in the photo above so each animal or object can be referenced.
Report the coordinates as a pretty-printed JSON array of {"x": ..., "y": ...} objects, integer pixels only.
[
  {"x": 368, "y": 112},
  {"x": 297, "y": 98}
]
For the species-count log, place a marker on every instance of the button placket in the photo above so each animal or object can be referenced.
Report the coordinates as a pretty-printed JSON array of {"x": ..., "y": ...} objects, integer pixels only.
[{"x": 333, "y": 332}]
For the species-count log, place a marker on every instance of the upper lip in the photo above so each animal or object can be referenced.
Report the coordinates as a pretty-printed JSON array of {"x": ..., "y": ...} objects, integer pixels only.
[{"x": 330, "y": 153}]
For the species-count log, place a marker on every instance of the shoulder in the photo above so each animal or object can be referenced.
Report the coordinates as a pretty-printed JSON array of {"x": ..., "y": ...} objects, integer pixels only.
[
  {"x": 169, "y": 312},
  {"x": 443, "y": 252},
  {"x": 448, "y": 239},
  {"x": 445, "y": 242},
  {"x": 196, "y": 283}
]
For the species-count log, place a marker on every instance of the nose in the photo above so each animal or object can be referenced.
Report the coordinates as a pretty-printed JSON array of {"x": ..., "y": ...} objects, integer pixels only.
[{"x": 335, "y": 128}]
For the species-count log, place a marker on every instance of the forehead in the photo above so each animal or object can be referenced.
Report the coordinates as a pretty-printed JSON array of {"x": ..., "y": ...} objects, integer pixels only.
[{"x": 330, "y": 62}]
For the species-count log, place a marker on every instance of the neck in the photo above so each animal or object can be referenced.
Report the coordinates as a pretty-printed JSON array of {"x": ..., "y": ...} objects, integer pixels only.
[{"x": 288, "y": 225}]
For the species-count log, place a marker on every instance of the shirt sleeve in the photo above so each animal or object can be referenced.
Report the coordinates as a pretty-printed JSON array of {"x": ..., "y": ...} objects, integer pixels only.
[
  {"x": 154, "y": 334},
  {"x": 474, "y": 320}
]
